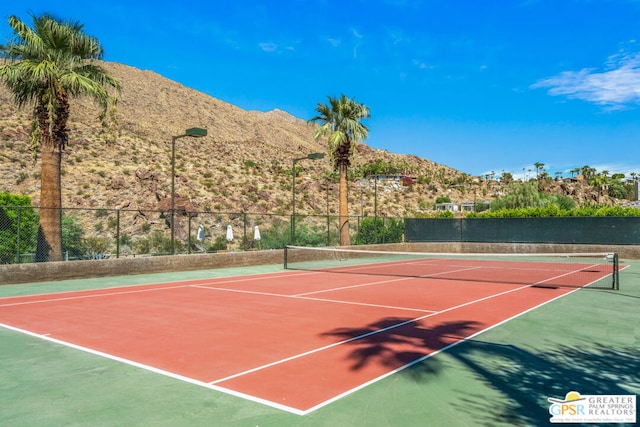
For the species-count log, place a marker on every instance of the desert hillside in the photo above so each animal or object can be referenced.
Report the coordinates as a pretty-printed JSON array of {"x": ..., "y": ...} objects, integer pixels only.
[{"x": 243, "y": 165}]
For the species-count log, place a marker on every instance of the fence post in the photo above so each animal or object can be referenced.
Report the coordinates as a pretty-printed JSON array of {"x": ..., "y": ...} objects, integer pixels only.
[
  {"x": 189, "y": 235},
  {"x": 293, "y": 233},
  {"x": 118, "y": 232},
  {"x": 18, "y": 236},
  {"x": 245, "y": 242},
  {"x": 328, "y": 230},
  {"x": 384, "y": 229}
]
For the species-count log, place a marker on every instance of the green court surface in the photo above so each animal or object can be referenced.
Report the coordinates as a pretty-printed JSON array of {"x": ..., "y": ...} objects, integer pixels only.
[{"x": 587, "y": 341}]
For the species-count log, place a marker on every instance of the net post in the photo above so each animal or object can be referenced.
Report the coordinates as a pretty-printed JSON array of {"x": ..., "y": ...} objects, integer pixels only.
[
  {"x": 286, "y": 247},
  {"x": 616, "y": 277}
]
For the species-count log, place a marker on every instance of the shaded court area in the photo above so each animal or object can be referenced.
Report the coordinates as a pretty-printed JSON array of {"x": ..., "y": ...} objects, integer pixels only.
[{"x": 306, "y": 348}]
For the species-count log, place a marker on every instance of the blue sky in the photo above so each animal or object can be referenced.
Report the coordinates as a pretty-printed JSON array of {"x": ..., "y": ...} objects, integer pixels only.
[{"x": 477, "y": 85}]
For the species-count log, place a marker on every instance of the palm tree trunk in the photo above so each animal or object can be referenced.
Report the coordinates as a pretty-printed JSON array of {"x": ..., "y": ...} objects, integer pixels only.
[
  {"x": 345, "y": 239},
  {"x": 49, "y": 247}
]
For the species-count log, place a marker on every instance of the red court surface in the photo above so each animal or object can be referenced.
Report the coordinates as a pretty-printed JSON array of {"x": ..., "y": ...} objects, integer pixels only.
[{"x": 293, "y": 340}]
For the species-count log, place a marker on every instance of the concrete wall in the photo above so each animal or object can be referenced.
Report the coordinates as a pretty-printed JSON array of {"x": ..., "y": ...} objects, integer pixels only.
[
  {"x": 64, "y": 270},
  {"x": 51, "y": 271}
]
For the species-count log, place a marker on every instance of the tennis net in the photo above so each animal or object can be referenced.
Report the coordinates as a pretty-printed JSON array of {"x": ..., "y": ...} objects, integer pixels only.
[{"x": 593, "y": 270}]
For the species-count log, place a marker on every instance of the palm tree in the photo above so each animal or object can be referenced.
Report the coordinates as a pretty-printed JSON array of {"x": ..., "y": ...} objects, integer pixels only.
[
  {"x": 538, "y": 166},
  {"x": 45, "y": 66},
  {"x": 587, "y": 172},
  {"x": 599, "y": 181},
  {"x": 341, "y": 122},
  {"x": 574, "y": 171}
]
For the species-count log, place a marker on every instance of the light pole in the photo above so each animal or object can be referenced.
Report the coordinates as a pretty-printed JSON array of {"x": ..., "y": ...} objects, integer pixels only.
[
  {"x": 312, "y": 156},
  {"x": 194, "y": 133},
  {"x": 375, "y": 197},
  {"x": 327, "y": 183}
]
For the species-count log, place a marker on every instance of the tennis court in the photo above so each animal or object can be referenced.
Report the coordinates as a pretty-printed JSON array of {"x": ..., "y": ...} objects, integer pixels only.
[{"x": 299, "y": 341}]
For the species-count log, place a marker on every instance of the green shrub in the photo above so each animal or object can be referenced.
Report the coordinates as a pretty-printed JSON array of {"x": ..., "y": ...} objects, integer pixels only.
[
  {"x": 156, "y": 243},
  {"x": 277, "y": 236},
  {"x": 16, "y": 214},
  {"x": 310, "y": 236},
  {"x": 220, "y": 244},
  {"x": 73, "y": 237},
  {"x": 555, "y": 211},
  {"x": 446, "y": 214},
  {"x": 125, "y": 239},
  {"x": 379, "y": 230},
  {"x": 525, "y": 195},
  {"x": 96, "y": 247}
]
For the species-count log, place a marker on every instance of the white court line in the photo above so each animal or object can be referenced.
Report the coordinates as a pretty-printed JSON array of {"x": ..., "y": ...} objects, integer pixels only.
[
  {"x": 316, "y": 350},
  {"x": 238, "y": 291},
  {"x": 359, "y": 285},
  {"x": 427, "y": 356},
  {"x": 319, "y": 349},
  {"x": 364, "y": 304},
  {"x": 161, "y": 285},
  {"x": 384, "y": 281},
  {"x": 267, "y": 276},
  {"x": 567, "y": 274},
  {"x": 311, "y": 298},
  {"x": 87, "y": 293},
  {"x": 88, "y": 296},
  {"x": 46, "y": 337},
  {"x": 305, "y": 294}
]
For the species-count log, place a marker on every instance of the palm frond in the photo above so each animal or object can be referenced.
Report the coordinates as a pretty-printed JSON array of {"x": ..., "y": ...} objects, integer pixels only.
[
  {"x": 340, "y": 121},
  {"x": 50, "y": 62}
]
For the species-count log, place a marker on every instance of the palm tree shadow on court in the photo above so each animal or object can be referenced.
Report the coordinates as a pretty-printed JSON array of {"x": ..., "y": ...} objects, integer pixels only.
[
  {"x": 396, "y": 342},
  {"x": 526, "y": 379},
  {"x": 523, "y": 379}
]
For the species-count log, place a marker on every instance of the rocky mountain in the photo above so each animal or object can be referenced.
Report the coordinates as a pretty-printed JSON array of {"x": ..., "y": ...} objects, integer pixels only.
[{"x": 243, "y": 164}]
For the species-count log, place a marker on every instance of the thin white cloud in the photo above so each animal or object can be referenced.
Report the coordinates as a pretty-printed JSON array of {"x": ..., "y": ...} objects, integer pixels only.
[
  {"x": 348, "y": 42},
  {"x": 422, "y": 65},
  {"x": 616, "y": 87},
  {"x": 271, "y": 47},
  {"x": 268, "y": 46},
  {"x": 358, "y": 37},
  {"x": 397, "y": 36}
]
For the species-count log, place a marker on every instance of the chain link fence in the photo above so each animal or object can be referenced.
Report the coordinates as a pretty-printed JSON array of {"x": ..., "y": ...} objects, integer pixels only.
[
  {"x": 603, "y": 230},
  {"x": 107, "y": 233}
]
